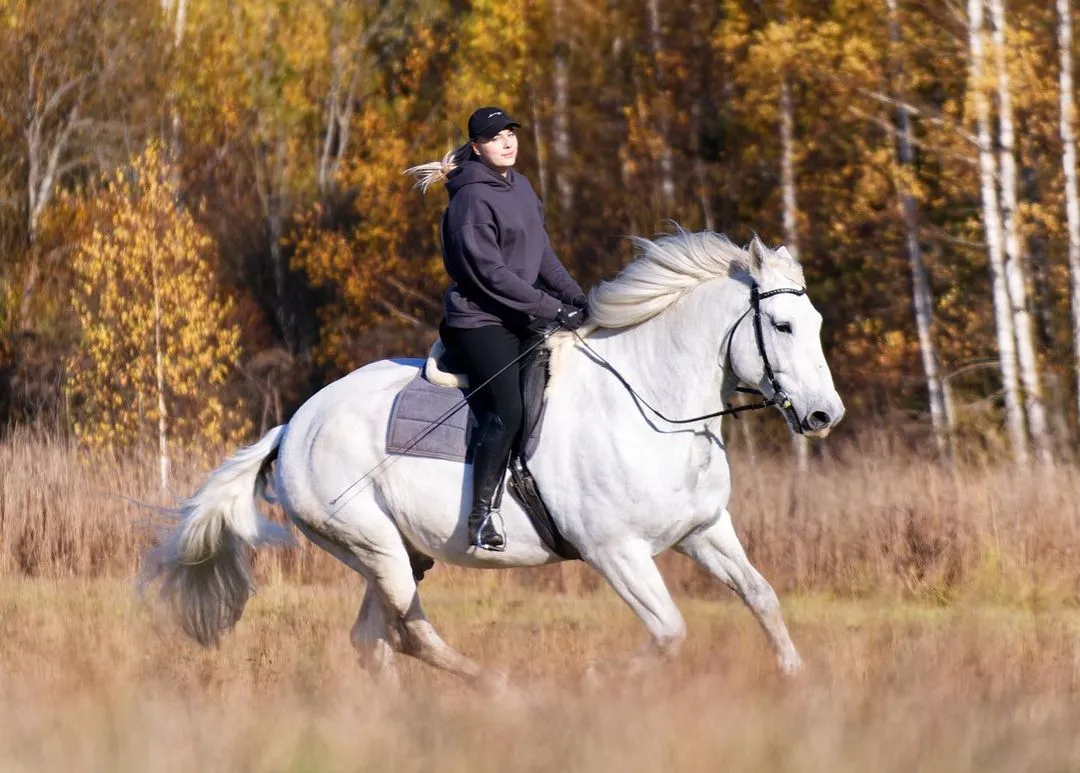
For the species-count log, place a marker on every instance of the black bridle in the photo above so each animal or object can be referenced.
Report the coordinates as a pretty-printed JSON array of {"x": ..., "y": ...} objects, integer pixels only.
[{"x": 780, "y": 397}]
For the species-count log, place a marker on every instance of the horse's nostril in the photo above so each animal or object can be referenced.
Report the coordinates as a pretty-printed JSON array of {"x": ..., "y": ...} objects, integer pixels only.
[{"x": 819, "y": 420}]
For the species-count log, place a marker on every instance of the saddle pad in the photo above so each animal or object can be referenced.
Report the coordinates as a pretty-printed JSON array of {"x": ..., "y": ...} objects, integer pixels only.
[{"x": 416, "y": 410}]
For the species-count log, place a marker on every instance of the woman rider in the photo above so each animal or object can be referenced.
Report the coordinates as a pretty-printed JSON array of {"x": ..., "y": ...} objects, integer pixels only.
[{"x": 505, "y": 276}]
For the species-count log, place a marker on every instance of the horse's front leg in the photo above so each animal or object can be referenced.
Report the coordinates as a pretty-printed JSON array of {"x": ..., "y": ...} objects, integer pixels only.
[
  {"x": 629, "y": 568},
  {"x": 719, "y": 551}
]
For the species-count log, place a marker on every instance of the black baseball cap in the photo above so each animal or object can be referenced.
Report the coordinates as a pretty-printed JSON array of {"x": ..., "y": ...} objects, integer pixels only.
[{"x": 486, "y": 122}]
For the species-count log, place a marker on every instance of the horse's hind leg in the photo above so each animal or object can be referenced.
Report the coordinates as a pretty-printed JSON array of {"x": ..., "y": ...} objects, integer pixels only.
[
  {"x": 719, "y": 551},
  {"x": 374, "y": 640},
  {"x": 380, "y": 555}
]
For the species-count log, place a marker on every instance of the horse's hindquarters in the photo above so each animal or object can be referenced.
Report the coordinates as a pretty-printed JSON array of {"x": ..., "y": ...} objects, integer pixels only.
[{"x": 335, "y": 476}]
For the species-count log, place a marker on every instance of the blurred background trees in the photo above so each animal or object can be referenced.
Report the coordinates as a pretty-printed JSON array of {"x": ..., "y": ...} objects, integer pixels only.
[{"x": 918, "y": 155}]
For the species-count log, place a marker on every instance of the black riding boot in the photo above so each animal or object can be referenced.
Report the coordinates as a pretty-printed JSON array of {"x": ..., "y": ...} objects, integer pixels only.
[{"x": 491, "y": 452}]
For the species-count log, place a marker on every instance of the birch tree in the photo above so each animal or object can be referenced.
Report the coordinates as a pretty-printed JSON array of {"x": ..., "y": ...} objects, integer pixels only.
[
  {"x": 1003, "y": 322},
  {"x": 922, "y": 299},
  {"x": 1015, "y": 280},
  {"x": 177, "y": 10},
  {"x": 347, "y": 85},
  {"x": 156, "y": 344},
  {"x": 1067, "y": 124},
  {"x": 790, "y": 209},
  {"x": 65, "y": 63}
]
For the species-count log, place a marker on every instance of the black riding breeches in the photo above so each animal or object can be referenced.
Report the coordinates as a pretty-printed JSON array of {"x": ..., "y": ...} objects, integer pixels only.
[{"x": 483, "y": 352}]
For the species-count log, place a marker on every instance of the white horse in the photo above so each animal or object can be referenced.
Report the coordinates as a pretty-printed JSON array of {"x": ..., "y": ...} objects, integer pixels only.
[{"x": 687, "y": 322}]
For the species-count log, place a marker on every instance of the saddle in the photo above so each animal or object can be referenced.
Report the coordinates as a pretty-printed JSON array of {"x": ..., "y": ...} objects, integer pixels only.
[{"x": 430, "y": 419}]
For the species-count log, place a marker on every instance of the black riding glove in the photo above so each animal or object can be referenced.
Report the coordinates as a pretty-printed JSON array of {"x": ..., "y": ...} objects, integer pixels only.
[
  {"x": 580, "y": 302},
  {"x": 571, "y": 317}
]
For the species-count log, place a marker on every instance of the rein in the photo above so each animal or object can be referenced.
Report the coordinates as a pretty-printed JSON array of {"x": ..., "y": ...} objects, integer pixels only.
[{"x": 779, "y": 398}]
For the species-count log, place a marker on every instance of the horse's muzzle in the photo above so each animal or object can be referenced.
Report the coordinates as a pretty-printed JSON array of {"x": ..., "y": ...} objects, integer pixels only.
[{"x": 818, "y": 424}]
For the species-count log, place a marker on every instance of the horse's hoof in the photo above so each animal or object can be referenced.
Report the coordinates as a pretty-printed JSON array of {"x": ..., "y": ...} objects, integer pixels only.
[
  {"x": 592, "y": 680},
  {"x": 495, "y": 683},
  {"x": 791, "y": 665}
]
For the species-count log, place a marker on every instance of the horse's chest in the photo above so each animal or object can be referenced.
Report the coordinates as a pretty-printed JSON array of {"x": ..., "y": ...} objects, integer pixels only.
[{"x": 708, "y": 479}]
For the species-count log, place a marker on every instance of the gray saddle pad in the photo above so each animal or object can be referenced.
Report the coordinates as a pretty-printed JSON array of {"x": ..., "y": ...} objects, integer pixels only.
[
  {"x": 417, "y": 410},
  {"x": 434, "y": 421}
]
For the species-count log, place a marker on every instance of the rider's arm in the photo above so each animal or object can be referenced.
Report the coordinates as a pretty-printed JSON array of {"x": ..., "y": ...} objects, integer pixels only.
[{"x": 479, "y": 261}]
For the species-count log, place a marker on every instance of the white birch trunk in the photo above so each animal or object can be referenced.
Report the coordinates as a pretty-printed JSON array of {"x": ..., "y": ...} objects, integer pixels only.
[
  {"x": 1015, "y": 279},
  {"x": 331, "y": 101},
  {"x": 667, "y": 157},
  {"x": 790, "y": 214},
  {"x": 1068, "y": 159},
  {"x": 174, "y": 99},
  {"x": 560, "y": 129},
  {"x": 1014, "y": 415},
  {"x": 941, "y": 416},
  {"x": 181, "y": 22},
  {"x": 49, "y": 133},
  {"x": 339, "y": 104},
  {"x": 789, "y": 196}
]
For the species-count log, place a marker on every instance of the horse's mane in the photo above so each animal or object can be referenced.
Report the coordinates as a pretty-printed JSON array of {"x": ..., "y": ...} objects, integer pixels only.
[{"x": 671, "y": 265}]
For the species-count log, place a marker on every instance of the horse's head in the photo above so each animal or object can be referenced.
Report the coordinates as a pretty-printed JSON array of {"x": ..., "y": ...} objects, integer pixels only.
[{"x": 775, "y": 346}]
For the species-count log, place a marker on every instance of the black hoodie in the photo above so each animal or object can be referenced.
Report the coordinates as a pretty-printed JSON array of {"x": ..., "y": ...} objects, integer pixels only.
[{"x": 497, "y": 252}]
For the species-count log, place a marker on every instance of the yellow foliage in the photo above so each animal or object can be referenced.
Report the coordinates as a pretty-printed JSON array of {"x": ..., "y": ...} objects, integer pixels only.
[
  {"x": 391, "y": 244},
  {"x": 145, "y": 288},
  {"x": 490, "y": 58}
]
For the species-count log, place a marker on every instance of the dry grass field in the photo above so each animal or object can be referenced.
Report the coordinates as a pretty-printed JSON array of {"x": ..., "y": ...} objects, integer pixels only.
[{"x": 936, "y": 611}]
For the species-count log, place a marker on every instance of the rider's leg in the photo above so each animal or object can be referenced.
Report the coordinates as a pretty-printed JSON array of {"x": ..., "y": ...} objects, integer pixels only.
[{"x": 486, "y": 351}]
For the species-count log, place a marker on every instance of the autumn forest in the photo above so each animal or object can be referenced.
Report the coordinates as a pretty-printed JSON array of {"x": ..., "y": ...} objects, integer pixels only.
[{"x": 203, "y": 216}]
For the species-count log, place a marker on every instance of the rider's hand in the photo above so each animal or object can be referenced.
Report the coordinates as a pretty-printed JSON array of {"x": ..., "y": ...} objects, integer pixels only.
[
  {"x": 580, "y": 302},
  {"x": 571, "y": 317}
]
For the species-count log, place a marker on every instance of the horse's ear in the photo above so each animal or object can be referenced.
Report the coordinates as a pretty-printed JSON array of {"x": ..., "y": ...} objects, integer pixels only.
[
  {"x": 758, "y": 251},
  {"x": 782, "y": 251}
]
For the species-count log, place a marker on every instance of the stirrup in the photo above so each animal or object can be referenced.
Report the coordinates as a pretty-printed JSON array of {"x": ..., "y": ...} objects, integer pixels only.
[{"x": 478, "y": 538}]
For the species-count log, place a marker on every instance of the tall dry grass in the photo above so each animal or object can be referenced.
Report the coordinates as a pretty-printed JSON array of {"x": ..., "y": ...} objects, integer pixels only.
[
  {"x": 866, "y": 520},
  {"x": 92, "y": 676},
  {"x": 90, "y": 681}
]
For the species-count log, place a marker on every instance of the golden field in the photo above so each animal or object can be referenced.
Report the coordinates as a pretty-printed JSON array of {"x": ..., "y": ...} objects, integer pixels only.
[{"x": 936, "y": 610}]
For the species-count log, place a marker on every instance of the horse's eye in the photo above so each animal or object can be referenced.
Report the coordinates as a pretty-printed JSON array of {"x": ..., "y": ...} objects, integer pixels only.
[{"x": 782, "y": 327}]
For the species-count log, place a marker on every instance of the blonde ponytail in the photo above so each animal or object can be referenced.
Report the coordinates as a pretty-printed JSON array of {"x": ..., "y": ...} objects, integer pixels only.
[{"x": 435, "y": 172}]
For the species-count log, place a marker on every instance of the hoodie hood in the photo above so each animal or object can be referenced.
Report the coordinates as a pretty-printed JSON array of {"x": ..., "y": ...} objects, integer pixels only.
[{"x": 474, "y": 172}]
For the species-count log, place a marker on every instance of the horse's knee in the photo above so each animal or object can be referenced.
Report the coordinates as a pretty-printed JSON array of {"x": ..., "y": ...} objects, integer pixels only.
[{"x": 760, "y": 595}]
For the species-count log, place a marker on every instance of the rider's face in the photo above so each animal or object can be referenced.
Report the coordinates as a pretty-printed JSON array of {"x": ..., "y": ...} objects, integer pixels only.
[{"x": 500, "y": 152}]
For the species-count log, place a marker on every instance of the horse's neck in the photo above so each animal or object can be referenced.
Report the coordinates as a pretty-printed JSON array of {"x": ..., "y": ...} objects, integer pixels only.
[{"x": 674, "y": 360}]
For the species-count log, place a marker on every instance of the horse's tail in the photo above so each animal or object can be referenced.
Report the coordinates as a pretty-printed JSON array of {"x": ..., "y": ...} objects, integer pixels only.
[{"x": 203, "y": 565}]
